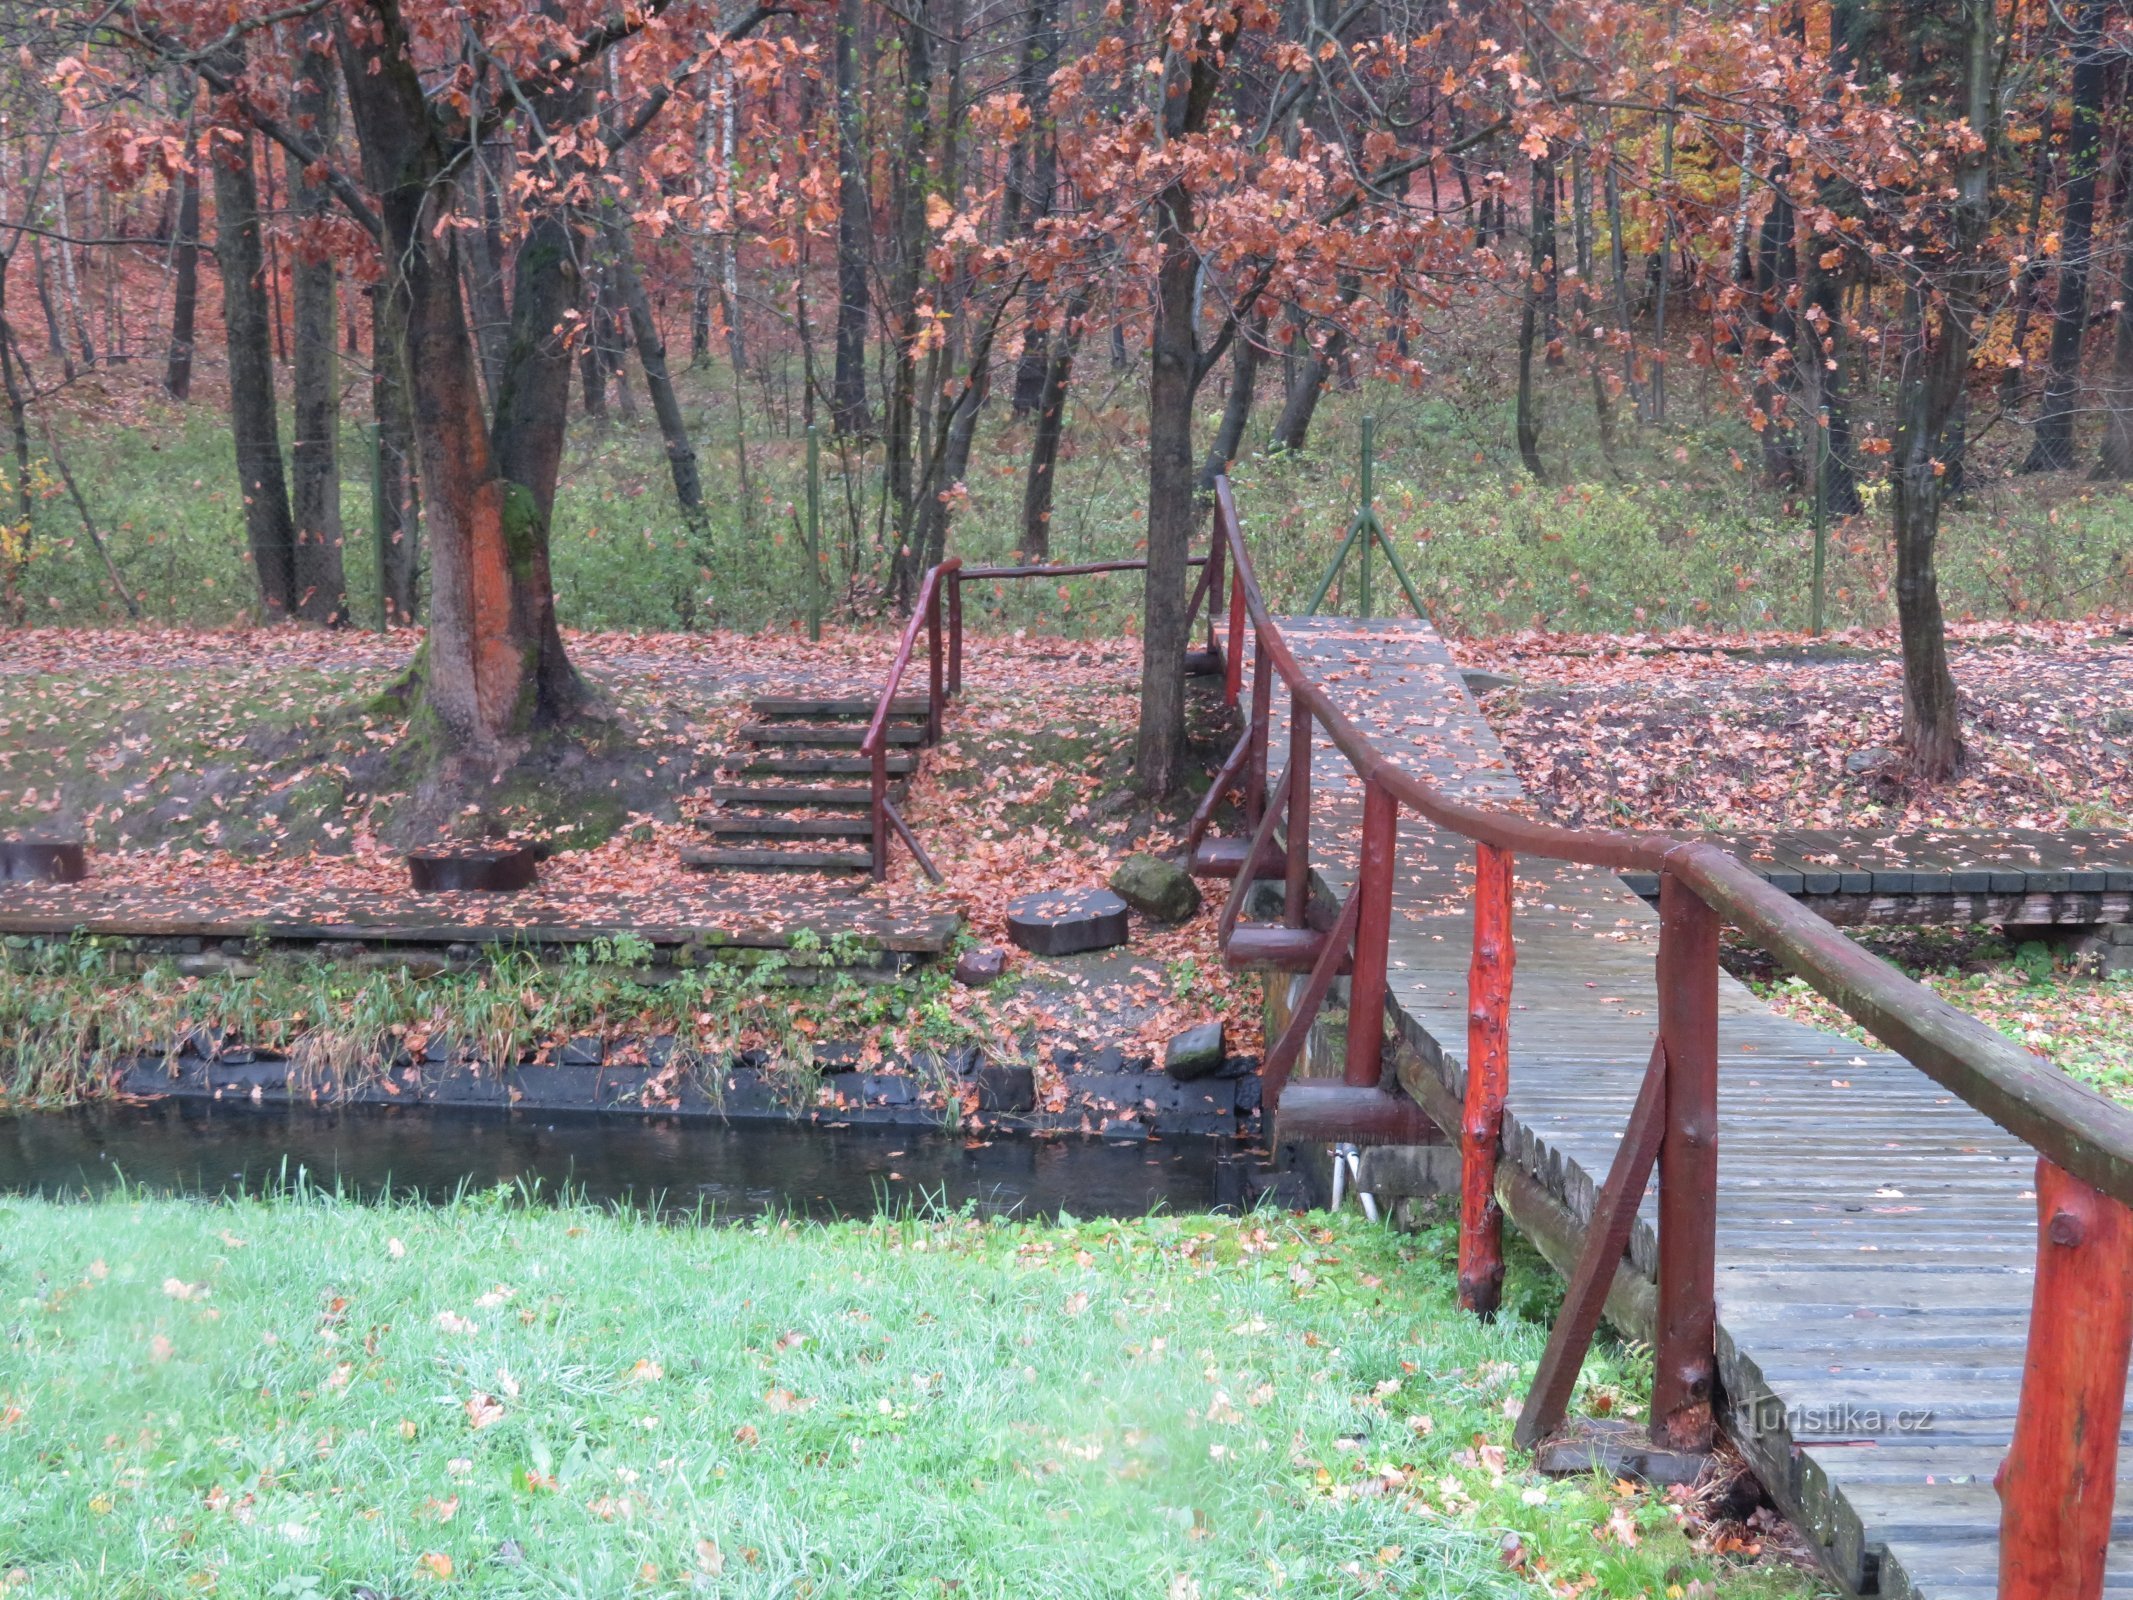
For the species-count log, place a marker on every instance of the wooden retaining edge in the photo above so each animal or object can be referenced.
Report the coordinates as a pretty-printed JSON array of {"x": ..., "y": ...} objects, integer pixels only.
[
  {"x": 1752, "y": 1416},
  {"x": 1632, "y": 1301},
  {"x": 931, "y": 936}
]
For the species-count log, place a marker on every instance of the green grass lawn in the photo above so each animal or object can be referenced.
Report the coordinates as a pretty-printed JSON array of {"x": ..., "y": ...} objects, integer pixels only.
[
  {"x": 306, "y": 1397},
  {"x": 1675, "y": 527}
]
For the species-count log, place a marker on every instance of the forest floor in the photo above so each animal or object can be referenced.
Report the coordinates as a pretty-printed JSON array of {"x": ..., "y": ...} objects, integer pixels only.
[
  {"x": 161, "y": 746},
  {"x": 178, "y": 756},
  {"x": 304, "y": 1397}
]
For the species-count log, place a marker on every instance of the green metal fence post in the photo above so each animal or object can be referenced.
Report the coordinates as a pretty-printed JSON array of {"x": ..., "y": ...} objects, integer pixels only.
[
  {"x": 814, "y": 531},
  {"x": 1821, "y": 507},
  {"x": 1368, "y": 515},
  {"x": 378, "y": 537}
]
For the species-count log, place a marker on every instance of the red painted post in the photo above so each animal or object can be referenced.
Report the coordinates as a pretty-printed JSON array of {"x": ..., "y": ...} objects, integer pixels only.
[
  {"x": 1217, "y": 563},
  {"x": 1297, "y": 879},
  {"x": 1233, "y": 652},
  {"x": 2058, "y": 1481},
  {"x": 878, "y": 803},
  {"x": 1373, "y": 935},
  {"x": 1488, "y": 1079},
  {"x": 1685, "y": 1364},
  {"x": 1262, "y": 718},
  {"x": 955, "y": 634},
  {"x": 936, "y": 662}
]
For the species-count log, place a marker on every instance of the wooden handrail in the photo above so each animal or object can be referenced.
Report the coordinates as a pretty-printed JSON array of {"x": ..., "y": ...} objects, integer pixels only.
[
  {"x": 2058, "y": 1483},
  {"x": 2080, "y": 1130},
  {"x": 875, "y": 745}
]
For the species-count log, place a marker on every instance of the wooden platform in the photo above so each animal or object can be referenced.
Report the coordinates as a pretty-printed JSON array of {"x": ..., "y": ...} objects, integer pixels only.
[
  {"x": 747, "y": 917},
  {"x": 1876, "y": 1238},
  {"x": 2005, "y": 876}
]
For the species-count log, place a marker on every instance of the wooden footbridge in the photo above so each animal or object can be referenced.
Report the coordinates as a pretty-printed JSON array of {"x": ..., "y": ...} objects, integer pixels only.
[{"x": 1900, "y": 1279}]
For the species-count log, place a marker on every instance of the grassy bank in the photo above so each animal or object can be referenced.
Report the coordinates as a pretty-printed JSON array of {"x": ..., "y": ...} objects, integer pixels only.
[
  {"x": 69, "y": 1021},
  {"x": 1673, "y": 526},
  {"x": 2079, "y": 1022},
  {"x": 306, "y": 1398}
]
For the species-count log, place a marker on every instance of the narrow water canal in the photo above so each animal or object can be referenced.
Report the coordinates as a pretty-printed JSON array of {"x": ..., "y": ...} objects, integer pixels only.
[{"x": 674, "y": 1168}]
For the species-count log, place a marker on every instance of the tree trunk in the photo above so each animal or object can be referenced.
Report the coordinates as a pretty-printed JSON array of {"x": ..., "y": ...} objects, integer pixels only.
[
  {"x": 1775, "y": 371},
  {"x": 855, "y": 231},
  {"x": 485, "y": 268},
  {"x": 70, "y": 285},
  {"x": 1040, "y": 181},
  {"x": 1237, "y": 409},
  {"x": 254, "y": 426},
  {"x": 1540, "y": 277},
  {"x": 2053, "y": 448},
  {"x": 1936, "y": 356},
  {"x": 1172, "y": 384},
  {"x": 1293, "y": 427},
  {"x": 1050, "y": 425},
  {"x": 320, "y": 593},
  {"x": 396, "y": 510},
  {"x": 494, "y": 668},
  {"x": 185, "y": 270},
  {"x": 2116, "y": 460},
  {"x": 54, "y": 336},
  {"x": 652, "y": 356},
  {"x": 912, "y": 185},
  {"x": 1173, "y": 380}
]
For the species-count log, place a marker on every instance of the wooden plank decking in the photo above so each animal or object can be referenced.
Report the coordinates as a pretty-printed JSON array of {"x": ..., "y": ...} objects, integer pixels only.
[{"x": 1876, "y": 1237}]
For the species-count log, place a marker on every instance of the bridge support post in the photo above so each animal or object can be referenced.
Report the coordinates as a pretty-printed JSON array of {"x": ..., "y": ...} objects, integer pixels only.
[
  {"x": 2058, "y": 1482},
  {"x": 1262, "y": 717},
  {"x": 1685, "y": 1363},
  {"x": 1373, "y": 933},
  {"x": 1296, "y": 880},
  {"x": 955, "y": 635},
  {"x": 1488, "y": 1077},
  {"x": 936, "y": 663}
]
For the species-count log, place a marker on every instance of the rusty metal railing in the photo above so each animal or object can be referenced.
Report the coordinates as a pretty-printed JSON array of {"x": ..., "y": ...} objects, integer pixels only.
[{"x": 2059, "y": 1479}]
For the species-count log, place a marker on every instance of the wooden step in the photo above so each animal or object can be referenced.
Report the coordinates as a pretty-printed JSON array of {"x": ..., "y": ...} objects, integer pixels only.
[
  {"x": 760, "y": 764},
  {"x": 789, "y": 827},
  {"x": 789, "y": 796},
  {"x": 713, "y": 859},
  {"x": 826, "y": 733},
  {"x": 789, "y": 705}
]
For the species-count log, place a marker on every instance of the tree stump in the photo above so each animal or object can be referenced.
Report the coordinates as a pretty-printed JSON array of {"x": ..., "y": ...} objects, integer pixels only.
[
  {"x": 488, "y": 869},
  {"x": 43, "y": 861},
  {"x": 1066, "y": 922}
]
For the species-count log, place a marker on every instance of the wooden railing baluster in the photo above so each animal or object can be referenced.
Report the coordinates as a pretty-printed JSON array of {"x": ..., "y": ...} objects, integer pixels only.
[
  {"x": 955, "y": 635},
  {"x": 1685, "y": 1362},
  {"x": 1607, "y": 1232},
  {"x": 1296, "y": 880},
  {"x": 936, "y": 661},
  {"x": 2058, "y": 1481},
  {"x": 1233, "y": 650},
  {"x": 1255, "y": 767},
  {"x": 1488, "y": 1077},
  {"x": 878, "y": 806},
  {"x": 1373, "y": 936}
]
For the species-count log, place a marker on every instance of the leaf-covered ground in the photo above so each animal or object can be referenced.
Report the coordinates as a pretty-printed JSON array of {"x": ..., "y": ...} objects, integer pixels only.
[
  {"x": 158, "y": 746},
  {"x": 1733, "y": 732},
  {"x": 306, "y": 1398}
]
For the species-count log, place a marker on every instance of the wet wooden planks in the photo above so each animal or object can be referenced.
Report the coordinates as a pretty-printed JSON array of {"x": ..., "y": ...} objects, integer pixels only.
[
  {"x": 1999, "y": 875},
  {"x": 745, "y": 917},
  {"x": 1876, "y": 1237}
]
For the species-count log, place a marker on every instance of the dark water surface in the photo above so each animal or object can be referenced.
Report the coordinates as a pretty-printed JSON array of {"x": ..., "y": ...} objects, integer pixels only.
[{"x": 669, "y": 1166}]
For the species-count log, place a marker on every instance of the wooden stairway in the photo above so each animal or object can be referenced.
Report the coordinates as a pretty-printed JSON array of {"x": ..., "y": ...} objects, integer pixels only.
[{"x": 794, "y": 796}]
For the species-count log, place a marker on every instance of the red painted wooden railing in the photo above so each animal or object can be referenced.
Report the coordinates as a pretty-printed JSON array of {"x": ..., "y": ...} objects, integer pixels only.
[
  {"x": 925, "y": 614},
  {"x": 943, "y": 585},
  {"x": 2059, "y": 1480}
]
